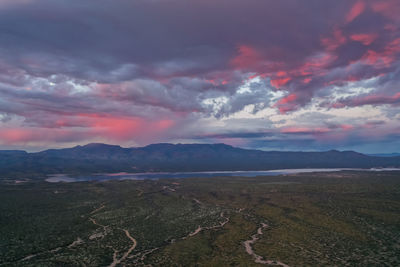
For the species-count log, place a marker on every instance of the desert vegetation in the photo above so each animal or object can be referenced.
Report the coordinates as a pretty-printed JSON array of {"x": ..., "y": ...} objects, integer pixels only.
[{"x": 342, "y": 218}]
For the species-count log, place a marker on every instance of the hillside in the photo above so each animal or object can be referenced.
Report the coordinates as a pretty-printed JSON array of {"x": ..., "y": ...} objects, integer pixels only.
[{"x": 94, "y": 158}]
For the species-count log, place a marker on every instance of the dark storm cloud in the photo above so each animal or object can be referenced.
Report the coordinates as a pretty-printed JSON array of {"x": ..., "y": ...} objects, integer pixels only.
[
  {"x": 95, "y": 37},
  {"x": 113, "y": 41}
]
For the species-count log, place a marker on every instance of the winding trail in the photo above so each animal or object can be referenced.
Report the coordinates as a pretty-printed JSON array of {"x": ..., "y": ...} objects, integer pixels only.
[
  {"x": 196, "y": 231},
  {"x": 200, "y": 228},
  {"x": 96, "y": 223},
  {"x": 116, "y": 261},
  {"x": 96, "y": 235},
  {"x": 257, "y": 258},
  {"x": 54, "y": 250},
  {"x": 105, "y": 227},
  {"x": 126, "y": 254},
  {"x": 165, "y": 187},
  {"x": 197, "y": 201},
  {"x": 98, "y": 209},
  {"x": 139, "y": 257},
  {"x": 77, "y": 242},
  {"x": 140, "y": 192},
  {"x": 147, "y": 253}
]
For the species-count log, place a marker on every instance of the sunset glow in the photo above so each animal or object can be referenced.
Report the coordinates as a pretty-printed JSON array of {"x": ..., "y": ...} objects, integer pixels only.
[{"x": 308, "y": 73}]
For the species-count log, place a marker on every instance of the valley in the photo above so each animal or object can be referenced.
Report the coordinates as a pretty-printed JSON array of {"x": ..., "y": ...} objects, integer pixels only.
[{"x": 339, "y": 218}]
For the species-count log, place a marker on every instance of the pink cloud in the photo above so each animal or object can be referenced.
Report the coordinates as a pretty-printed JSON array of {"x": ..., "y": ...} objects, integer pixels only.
[
  {"x": 90, "y": 126},
  {"x": 124, "y": 128},
  {"x": 248, "y": 57},
  {"x": 286, "y": 103},
  {"x": 385, "y": 57},
  {"x": 287, "y": 99},
  {"x": 337, "y": 39},
  {"x": 364, "y": 38},
  {"x": 355, "y": 11},
  {"x": 277, "y": 83},
  {"x": 315, "y": 65},
  {"x": 346, "y": 127},
  {"x": 388, "y": 8},
  {"x": 305, "y": 130},
  {"x": 17, "y": 135},
  {"x": 23, "y": 135}
]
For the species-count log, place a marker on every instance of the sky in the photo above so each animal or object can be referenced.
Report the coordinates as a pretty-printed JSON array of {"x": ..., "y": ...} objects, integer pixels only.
[{"x": 306, "y": 75}]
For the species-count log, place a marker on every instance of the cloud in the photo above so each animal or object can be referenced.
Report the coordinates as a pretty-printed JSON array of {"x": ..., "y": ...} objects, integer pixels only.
[
  {"x": 137, "y": 65},
  {"x": 364, "y": 38},
  {"x": 355, "y": 11},
  {"x": 368, "y": 100}
]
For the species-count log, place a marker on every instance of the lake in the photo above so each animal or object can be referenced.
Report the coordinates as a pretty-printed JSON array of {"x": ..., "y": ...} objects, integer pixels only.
[{"x": 165, "y": 175}]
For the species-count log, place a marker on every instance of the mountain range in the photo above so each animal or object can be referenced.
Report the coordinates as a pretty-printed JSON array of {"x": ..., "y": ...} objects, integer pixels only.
[
  {"x": 385, "y": 155},
  {"x": 103, "y": 158}
]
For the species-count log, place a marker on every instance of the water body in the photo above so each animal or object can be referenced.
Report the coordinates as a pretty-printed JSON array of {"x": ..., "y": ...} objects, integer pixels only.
[{"x": 165, "y": 175}]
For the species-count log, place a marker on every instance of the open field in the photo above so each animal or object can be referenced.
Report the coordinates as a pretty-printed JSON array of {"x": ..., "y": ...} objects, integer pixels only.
[{"x": 341, "y": 218}]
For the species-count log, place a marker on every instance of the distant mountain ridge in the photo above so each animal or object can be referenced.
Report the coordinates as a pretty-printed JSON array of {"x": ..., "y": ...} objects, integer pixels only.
[
  {"x": 385, "y": 155},
  {"x": 97, "y": 157}
]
